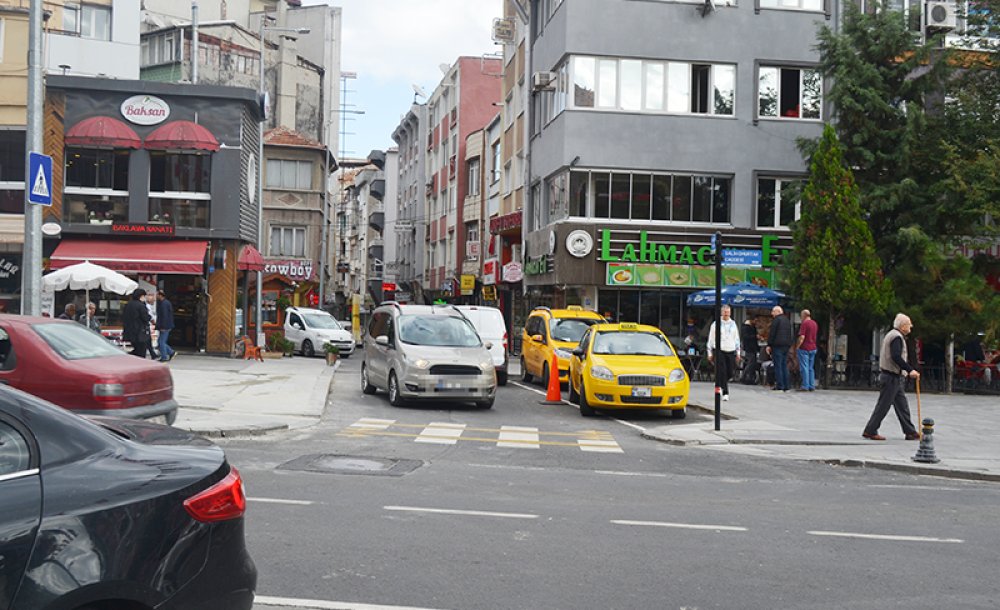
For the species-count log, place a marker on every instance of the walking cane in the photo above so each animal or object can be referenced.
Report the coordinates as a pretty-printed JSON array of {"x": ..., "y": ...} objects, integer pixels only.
[{"x": 920, "y": 433}]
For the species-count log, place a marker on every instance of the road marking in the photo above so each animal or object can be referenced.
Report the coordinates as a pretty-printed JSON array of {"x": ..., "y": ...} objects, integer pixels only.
[
  {"x": 887, "y": 537},
  {"x": 369, "y": 423},
  {"x": 620, "y": 421},
  {"x": 282, "y": 501},
  {"x": 319, "y": 604},
  {"x": 449, "y": 511},
  {"x": 441, "y": 433},
  {"x": 600, "y": 443},
  {"x": 917, "y": 487},
  {"x": 689, "y": 526},
  {"x": 518, "y": 436},
  {"x": 621, "y": 473}
]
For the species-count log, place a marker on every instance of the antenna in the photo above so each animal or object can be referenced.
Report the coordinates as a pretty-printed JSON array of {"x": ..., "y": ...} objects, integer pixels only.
[
  {"x": 707, "y": 7},
  {"x": 444, "y": 68},
  {"x": 418, "y": 91}
]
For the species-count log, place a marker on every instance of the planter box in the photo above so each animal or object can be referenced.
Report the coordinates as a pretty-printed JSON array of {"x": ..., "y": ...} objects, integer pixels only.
[{"x": 331, "y": 359}]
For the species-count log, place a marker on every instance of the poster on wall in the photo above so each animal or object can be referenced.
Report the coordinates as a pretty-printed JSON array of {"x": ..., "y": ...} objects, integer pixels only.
[{"x": 683, "y": 276}]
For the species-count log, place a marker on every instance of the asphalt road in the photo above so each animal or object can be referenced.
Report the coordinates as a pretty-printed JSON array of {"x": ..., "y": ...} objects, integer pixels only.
[{"x": 532, "y": 506}]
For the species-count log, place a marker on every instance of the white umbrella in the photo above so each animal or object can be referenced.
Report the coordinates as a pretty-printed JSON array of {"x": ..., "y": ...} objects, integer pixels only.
[{"x": 88, "y": 276}]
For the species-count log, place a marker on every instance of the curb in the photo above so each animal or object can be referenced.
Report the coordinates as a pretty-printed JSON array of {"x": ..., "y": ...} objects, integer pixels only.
[
  {"x": 947, "y": 473},
  {"x": 237, "y": 432}
]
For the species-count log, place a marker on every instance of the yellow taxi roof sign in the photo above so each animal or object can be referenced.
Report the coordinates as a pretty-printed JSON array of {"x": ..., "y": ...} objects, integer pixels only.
[
  {"x": 628, "y": 326},
  {"x": 574, "y": 307}
]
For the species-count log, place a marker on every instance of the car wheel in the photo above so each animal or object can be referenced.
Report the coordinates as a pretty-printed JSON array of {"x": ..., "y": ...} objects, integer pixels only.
[
  {"x": 525, "y": 375},
  {"x": 502, "y": 378},
  {"x": 394, "y": 397},
  {"x": 585, "y": 409},
  {"x": 485, "y": 404},
  {"x": 545, "y": 375},
  {"x": 366, "y": 387},
  {"x": 679, "y": 413},
  {"x": 345, "y": 355},
  {"x": 307, "y": 349},
  {"x": 573, "y": 396}
]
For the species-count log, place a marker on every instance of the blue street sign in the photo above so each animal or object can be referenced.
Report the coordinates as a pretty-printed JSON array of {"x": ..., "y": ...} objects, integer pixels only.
[
  {"x": 734, "y": 257},
  {"x": 39, "y": 178},
  {"x": 713, "y": 243}
]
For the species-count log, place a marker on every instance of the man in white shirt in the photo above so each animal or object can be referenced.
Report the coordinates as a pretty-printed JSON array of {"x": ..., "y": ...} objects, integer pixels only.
[{"x": 729, "y": 346}]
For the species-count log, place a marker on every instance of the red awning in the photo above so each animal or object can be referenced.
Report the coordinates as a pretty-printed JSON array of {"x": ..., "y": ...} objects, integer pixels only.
[
  {"x": 250, "y": 259},
  {"x": 182, "y": 135},
  {"x": 135, "y": 256},
  {"x": 102, "y": 131}
]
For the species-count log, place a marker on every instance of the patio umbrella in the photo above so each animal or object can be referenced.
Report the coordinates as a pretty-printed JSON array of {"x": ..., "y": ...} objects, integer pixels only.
[
  {"x": 743, "y": 294},
  {"x": 88, "y": 276}
]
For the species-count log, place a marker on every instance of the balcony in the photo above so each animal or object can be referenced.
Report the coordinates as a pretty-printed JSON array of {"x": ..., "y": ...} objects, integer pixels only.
[{"x": 378, "y": 189}]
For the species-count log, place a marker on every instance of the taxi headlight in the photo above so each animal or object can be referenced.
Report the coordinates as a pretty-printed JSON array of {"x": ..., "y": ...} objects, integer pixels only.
[
  {"x": 676, "y": 375},
  {"x": 602, "y": 372},
  {"x": 420, "y": 363},
  {"x": 564, "y": 353}
]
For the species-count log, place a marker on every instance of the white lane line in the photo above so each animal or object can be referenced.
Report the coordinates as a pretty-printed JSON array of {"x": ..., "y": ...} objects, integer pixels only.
[
  {"x": 282, "y": 501},
  {"x": 599, "y": 445},
  {"x": 441, "y": 433},
  {"x": 472, "y": 513},
  {"x": 688, "y": 526},
  {"x": 629, "y": 424},
  {"x": 887, "y": 537},
  {"x": 537, "y": 391},
  {"x": 528, "y": 387},
  {"x": 319, "y": 604},
  {"x": 917, "y": 487},
  {"x": 370, "y": 423},
  {"x": 518, "y": 436},
  {"x": 621, "y": 473}
]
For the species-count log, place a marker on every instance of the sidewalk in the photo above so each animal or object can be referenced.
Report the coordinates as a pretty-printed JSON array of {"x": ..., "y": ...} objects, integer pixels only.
[
  {"x": 229, "y": 397},
  {"x": 826, "y": 426}
]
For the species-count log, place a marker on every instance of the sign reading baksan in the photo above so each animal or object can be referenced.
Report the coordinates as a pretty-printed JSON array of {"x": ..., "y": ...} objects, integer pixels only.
[{"x": 145, "y": 110}]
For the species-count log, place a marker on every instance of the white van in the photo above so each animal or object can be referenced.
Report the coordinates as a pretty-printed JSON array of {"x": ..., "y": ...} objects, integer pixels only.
[
  {"x": 309, "y": 329},
  {"x": 491, "y": 327}
]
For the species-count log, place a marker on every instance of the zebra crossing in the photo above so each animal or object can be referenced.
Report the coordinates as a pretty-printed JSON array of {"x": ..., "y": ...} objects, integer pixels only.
[{"x": 514, "y": 437}]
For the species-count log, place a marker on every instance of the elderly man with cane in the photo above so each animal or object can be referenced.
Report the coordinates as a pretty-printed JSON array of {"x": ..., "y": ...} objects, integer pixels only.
[{"x": 894, "y": 369}]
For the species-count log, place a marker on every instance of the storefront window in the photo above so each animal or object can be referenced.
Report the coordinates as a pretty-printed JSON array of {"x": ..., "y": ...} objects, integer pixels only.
[
  {"x": 578, "y": 182},
  {"x": 184, "y": 212},
  {"x": 96, "y": 186},
  {"x": 179, "y": 189},
  {"x": 11, "y": 172},
  {"x": 644, "y": 196}
]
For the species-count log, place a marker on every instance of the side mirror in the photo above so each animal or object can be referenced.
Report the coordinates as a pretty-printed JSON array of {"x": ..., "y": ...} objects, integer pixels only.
[
  {"x": 537, "y": 338},
  {"x": 382, "y": 340},
  {"x": 296, "y": 326},
  {"x": 488, "y": 345},
  {"x": 579, "y": 353}
]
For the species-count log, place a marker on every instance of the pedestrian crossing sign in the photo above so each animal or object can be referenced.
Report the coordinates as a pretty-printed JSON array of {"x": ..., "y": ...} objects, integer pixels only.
[{"x": 40, "y": 178}]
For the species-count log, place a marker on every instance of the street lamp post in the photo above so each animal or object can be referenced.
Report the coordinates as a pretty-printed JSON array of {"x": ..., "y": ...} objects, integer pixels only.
[{"x": 259, "y": 321}]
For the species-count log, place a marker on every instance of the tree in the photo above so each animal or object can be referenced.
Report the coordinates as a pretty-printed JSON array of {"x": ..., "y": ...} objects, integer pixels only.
[{"x": 833, "y": 266}]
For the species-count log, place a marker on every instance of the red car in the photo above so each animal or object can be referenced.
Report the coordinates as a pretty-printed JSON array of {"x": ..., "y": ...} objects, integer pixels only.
[{"x": 69, "y": 365}]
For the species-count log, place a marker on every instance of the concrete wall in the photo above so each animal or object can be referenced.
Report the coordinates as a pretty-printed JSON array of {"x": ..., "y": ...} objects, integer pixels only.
[
  {"x": 322, "y": 46},
  {"x": 117, "y": 58},
  {"x": 13, "y": 66}
]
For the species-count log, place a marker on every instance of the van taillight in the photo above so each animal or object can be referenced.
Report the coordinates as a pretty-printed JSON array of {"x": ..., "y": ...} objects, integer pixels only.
[
  {"x": 224, "y": 500},
  {"x": 505, "y": 341}
]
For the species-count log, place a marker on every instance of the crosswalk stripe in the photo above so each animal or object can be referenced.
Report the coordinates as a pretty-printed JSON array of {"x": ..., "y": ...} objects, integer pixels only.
[
  {"x": 518, "y": 436},
  {"x": 599, "y": 446},
  {"x": 441, "y": 433},
  {"x": 370, "y": 423}
]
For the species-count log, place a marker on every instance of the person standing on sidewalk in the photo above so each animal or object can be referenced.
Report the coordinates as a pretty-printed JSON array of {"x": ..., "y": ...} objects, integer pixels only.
[
  {"x": 806, "y": 347},
  {"x": 729, "y": 346},
  {"x": 164, "y": 324},
  {"x": 135, "y": 323},
  {"x": 748, "y": 338},
  {"x": 894, "y": 369},
  {"x": 778, "y": 342}
]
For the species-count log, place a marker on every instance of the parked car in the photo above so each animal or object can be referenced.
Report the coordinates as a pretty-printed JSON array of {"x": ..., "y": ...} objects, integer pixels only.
[
  {"x": 492, "y": 328},
  {"x": 113, "y": 513},
  {"x": 627, "y": 366},
  {"x": 427, "y": 352},
  {"x": 72, "y": 366},
  {"x": 309, "y": 329},
  {"x": 553, "y": 331}
]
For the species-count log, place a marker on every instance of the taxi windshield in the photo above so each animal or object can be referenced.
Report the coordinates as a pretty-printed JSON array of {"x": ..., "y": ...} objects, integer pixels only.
[
  {"x": 631, "y": 343},
  {"x": 570, "y": 329}
]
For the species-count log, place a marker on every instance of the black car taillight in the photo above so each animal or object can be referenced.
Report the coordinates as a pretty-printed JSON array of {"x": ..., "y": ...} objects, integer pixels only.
[{"x": 224, "y": 500}]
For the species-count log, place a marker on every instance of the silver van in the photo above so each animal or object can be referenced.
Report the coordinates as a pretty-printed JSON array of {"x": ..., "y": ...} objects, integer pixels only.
[
  {"x": 492, "y": 329},
  {"x": 426, "y": 352}
]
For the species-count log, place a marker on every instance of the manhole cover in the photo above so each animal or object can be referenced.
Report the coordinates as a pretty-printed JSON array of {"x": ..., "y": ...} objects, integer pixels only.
[{"x": 351, "y": 464}]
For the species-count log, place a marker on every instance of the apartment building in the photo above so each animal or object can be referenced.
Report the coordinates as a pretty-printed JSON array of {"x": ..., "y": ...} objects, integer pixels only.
[{"x": 410, "y": 201}]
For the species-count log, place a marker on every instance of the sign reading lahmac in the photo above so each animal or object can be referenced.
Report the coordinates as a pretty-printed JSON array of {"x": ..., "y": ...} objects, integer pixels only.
[{"x": 145, "y": 110}]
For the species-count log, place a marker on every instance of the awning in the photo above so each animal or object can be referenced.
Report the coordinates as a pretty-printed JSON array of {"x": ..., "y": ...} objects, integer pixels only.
[
  {"x": 250, "y": 259},
  {"x": 135, "y": 256},
  {"x": 102, "y": 131},
  {"x": 182, "y": 135}
]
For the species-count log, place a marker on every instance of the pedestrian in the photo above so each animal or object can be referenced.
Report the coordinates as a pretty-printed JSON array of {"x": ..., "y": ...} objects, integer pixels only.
[
  {"x": 893, "y": 371},
  {"x": 729, "y": 347},
  {"x": 748, "y": 339},
  {"x": 164, "y": 324},
  {"x": 150, "y": 301},
  {"x": 69, "y": 312},
  {"x": 135, "y": 323},
  {"x": 806, "y": 346},
  {"x": 779, "y": 340},
  {"x": 89, "y": 319}
]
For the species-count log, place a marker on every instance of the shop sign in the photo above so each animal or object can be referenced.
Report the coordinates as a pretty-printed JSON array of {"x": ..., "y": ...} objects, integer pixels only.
[
  {"x": 468, "y": 284},
  {"x": 490, "y": 271},
  {"x": 293, "y": 270},
  {"x": 128, "y": 228},
  {"x": 489, "y": 293},
  {"x": 512, "y": 272},
  {"x": 646, "y": 251},
  {"x": 388, "y": 286},
  {"x": 472, "y": 249},
  {"x": 10, "y": 273},
  {"x": 145, "y": 110},
  {"x": 404, "y": 297},
  {"x": 537, "y": 265},
  {"x": 684, "y": 276},
  {"x": 507, "y": 222}
]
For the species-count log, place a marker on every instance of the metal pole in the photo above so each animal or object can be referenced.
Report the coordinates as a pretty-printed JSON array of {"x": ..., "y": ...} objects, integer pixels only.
[
  {"x": 259, "y": 320},
  {"x": 31, "y": 279},
  {"x": 326, "y": 219},
  {"x": 718, "y": 330},
  {"x": 194, "y": 42}
]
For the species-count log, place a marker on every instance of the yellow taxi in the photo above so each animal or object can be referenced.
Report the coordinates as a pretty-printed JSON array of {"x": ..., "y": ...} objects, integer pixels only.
[
  {"x": 627, "y": 366},
  {"x": 549, "y": 331}
]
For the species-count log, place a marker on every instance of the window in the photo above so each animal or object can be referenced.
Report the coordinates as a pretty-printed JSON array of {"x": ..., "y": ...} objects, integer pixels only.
[
  {"x": 496, "y": 164},
  {"x": 778, "y": 202},
  {"x": 791, "y": 93},
  {"x": 474, "y": 176},
  {"x": 11, "y": 172},
  {"x": 804, "y": 5},
  {"x": 87, "y": 20},
  {"x": 15, "y": 453},
  {"x": 96, "y": 185},
  {"x": 288, "y": 174},
  {"x": 180, "y": 189},
  {"x": 288, "y": 241},
  {"x": 645, "y": 196}
]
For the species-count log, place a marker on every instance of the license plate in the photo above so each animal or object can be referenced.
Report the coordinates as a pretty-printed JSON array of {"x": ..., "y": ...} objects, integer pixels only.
[
  {"x": 642, "y": 392},
  {"x": 441, "y": 385},
  {"x": 159, "y": 419}
]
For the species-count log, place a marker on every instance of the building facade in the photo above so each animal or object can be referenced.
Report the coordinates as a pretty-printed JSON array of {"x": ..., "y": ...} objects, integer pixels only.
[{"x": 411, "y": 200}]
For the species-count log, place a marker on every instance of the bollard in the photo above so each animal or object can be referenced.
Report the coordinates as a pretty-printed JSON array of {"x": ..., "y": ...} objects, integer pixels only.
[{"x": 925, "y": 453}]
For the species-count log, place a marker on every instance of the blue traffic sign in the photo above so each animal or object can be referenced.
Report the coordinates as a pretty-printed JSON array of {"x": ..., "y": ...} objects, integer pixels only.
[
  {"x": 735, "y": 257},
  {"x": 39, "y": 178}
]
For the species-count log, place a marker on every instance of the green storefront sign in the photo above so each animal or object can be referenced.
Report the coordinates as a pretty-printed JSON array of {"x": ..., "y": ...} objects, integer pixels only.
[
  {"x": 684, "y": 276},
  {"x": 646, "y": 251},
  {"x": 536, "y": 265}
]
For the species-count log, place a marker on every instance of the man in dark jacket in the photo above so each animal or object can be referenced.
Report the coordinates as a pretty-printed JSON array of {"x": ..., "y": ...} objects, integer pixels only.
[
  {"x": 779, "y": 340},
  {"x": 748, "y": 339},
  {"x": 135, "y": 323},
  {"x": 164, "y": 324}
]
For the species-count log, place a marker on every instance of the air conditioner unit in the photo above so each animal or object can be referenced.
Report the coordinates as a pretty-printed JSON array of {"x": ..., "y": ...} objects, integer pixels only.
[
  {"x": 543, "y": 81},
  {"x": 941, "y": 15}
]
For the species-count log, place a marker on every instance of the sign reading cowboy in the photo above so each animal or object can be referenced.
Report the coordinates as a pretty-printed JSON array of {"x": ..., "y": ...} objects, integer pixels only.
[
  {"x": 646, "y": 251},
  {"x": 293, "y": 270}
]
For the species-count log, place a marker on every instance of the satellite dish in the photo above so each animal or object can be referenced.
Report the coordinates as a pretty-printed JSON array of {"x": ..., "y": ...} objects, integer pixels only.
[
  {"x": 444, "y": 68},
  {"x": 418, "y": 91}
]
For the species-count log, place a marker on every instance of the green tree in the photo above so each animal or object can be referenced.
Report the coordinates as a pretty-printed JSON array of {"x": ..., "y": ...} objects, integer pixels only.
[{"x": 833, "y": 267}]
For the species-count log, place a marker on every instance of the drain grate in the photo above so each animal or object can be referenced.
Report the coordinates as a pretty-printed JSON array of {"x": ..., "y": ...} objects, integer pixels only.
[{"x": 351, "y": 464}]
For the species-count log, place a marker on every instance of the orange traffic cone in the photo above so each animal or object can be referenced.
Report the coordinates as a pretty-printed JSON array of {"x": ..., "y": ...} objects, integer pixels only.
[{"x": 553, "y": 394}]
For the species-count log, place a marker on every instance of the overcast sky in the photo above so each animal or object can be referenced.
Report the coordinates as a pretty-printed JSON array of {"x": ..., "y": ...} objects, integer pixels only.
[{"x": 393, "y": 44}]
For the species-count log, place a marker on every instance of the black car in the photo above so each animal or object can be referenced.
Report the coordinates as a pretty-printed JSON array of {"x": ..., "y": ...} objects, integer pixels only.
[{"x": 103, "y": 514}]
